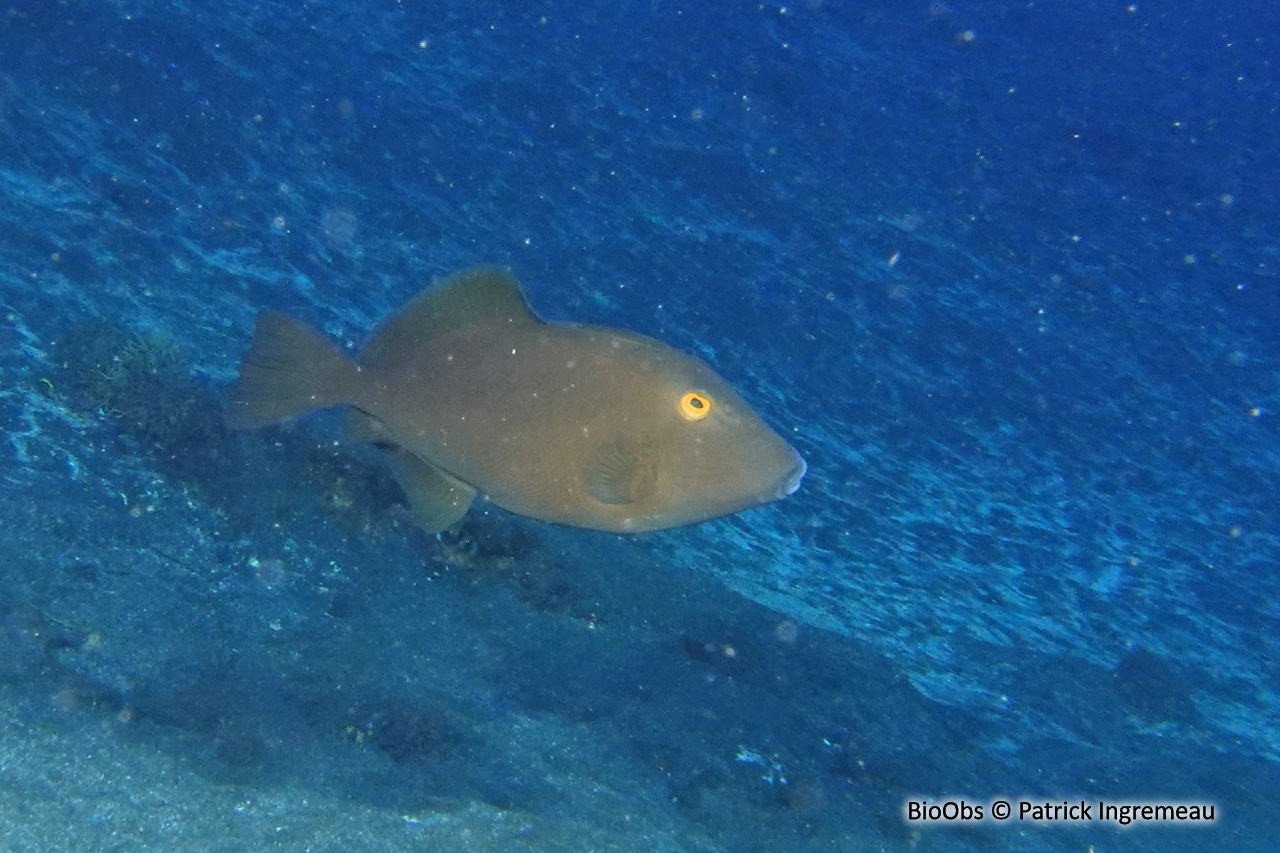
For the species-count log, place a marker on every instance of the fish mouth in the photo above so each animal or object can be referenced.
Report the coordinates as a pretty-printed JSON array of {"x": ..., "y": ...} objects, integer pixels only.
[{"x": 793, "y": 478}]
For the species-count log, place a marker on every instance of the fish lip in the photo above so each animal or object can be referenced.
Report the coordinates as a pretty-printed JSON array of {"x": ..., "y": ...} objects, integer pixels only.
[{"x": 794, "y": 476}]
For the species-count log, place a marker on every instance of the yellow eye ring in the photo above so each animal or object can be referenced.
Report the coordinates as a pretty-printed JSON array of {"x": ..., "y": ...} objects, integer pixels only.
[{"x": 695, "y": 406}]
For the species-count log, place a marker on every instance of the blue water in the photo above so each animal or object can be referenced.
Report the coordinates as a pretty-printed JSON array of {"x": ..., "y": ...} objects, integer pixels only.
[{"x": 1006, "y": 275}]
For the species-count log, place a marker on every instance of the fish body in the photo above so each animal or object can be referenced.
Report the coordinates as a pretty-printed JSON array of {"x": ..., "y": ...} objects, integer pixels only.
[{"x": 579, "y": 425}]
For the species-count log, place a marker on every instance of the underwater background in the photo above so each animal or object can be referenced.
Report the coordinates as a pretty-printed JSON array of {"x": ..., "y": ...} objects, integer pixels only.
[{"x": 1004, "y": 273}]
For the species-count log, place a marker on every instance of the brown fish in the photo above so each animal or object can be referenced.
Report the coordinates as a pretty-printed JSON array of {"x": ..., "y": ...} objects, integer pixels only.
[{"x": 579, "y": 425}]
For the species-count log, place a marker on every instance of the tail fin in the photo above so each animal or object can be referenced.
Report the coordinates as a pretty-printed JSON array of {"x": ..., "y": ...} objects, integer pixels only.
[{"x": 290, "y": 370}]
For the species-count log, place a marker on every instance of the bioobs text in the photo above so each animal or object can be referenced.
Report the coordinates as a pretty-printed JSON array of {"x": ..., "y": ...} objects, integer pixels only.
[{"x": 918, "y": 810}]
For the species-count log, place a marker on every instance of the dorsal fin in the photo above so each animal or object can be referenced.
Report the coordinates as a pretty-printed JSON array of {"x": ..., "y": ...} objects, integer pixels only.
[{"x": 477, "y": 295}]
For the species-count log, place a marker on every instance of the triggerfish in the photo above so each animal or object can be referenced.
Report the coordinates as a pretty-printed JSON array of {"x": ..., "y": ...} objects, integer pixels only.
[{"x": 473, "y": 394}]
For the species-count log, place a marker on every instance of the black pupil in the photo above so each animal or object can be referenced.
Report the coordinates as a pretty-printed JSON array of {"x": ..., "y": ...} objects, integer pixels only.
[{"x": 696, "y": 402}]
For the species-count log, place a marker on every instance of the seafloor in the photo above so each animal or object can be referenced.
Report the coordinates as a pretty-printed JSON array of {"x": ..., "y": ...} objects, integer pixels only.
[{"x": 1005, "y": 275}]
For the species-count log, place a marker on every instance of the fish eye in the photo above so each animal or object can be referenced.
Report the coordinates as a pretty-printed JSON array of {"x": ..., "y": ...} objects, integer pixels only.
[{"x": 694, "y": 406}]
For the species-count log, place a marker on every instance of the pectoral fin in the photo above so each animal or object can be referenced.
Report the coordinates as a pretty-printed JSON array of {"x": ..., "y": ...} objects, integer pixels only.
[{"x": 620, "y": 472}]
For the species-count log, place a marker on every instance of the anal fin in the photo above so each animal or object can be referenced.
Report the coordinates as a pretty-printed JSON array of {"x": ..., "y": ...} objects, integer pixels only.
[
  {"x": 438, "y": 499},
  {"x": 360, "y": 427}
]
